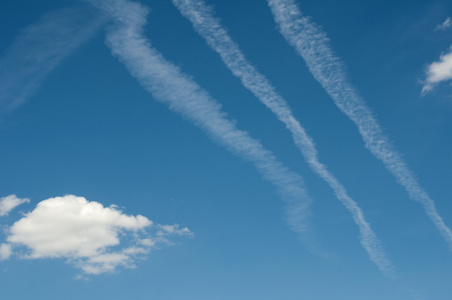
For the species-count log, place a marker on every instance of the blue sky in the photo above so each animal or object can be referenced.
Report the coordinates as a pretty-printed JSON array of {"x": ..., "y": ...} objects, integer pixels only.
[{"x": 279, "y": 151}]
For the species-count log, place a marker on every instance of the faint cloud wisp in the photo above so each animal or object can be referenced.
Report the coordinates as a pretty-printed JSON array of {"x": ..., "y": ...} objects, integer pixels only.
[
  {"x": 39, "y": 49},
  {"x": 445, "y": 25}
]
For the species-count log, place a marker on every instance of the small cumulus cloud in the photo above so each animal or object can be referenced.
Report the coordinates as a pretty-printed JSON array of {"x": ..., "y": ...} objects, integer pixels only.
[
  {"x": 8, "y": 203},
  {"x": 438, "y": 71},
  {"x": 445, "y": 25},
  {"x": 91, "y": 237}
]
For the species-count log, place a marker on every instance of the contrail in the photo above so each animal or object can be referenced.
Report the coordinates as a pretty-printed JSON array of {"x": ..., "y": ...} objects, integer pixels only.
[
  {"x": 170, "y": 86},
  {"x": 216, "y": 36},
  {"x": 39, "y": 49},
  {"x": 313, "y": 45}
]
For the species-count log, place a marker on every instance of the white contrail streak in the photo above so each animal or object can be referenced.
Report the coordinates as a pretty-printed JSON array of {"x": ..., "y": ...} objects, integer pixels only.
[
  {"x": 216, "y": 36},
  {"x": 170, "y": 86},
  {"x": 39, "y": 49},
  {"x": 313, "y": 45}
]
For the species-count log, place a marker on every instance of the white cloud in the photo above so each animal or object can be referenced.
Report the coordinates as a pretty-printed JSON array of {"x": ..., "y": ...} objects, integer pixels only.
[
  {"x": 445, "y": 25},
  {"x": 85, "y": 233},
  {"x": 438, "y": 71},
  {"x": 10, "y": 202},
  {"x": 5, "y": 251}
]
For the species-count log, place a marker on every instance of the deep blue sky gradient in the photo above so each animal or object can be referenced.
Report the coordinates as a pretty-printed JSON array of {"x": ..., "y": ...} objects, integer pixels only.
[{"x": 92, "y": 131}]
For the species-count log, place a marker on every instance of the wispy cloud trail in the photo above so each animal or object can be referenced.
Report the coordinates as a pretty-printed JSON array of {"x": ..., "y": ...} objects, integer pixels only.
[
  {"x": 313, "y": 45},
  {"x": 40, "y": 48},
  {"x": 218, "y": 39},
  {"x": 170, "y": 86}
]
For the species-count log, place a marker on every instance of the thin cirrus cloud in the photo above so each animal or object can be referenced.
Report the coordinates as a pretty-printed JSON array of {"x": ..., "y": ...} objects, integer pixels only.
[
  {"x": 40, "y": 48},
  {"x": 86, "y": 234},
  {"x": 438, "y": 71},
  {"x": 170, "y": 86},
  {"x": 216, "y": 36},
  {"x": 311, "y": 42},
  {"x": 445, "y": 25},
  {"x": 8, "y": 203}
]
